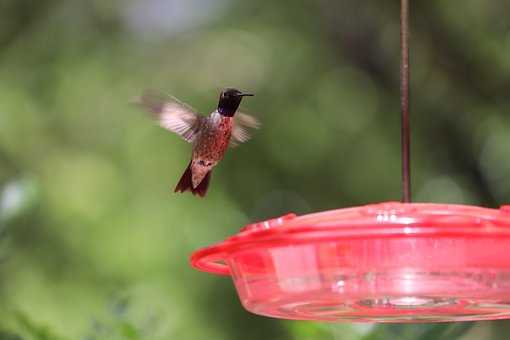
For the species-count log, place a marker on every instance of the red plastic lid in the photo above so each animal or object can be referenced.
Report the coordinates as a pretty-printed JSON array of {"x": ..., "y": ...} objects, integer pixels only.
[{"x": 382, "y": 220}]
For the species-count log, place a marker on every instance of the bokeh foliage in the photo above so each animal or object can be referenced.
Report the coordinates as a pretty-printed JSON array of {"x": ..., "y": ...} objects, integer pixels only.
[{"x": 93, "y": 243}]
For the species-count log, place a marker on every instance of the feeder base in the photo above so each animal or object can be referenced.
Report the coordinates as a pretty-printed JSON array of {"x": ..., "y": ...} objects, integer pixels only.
[
  {"x": 386, "y": 309},
  {"x": 379, "y": 297}
]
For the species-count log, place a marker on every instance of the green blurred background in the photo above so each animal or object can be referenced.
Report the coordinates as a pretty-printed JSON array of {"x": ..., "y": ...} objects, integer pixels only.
[{"x": 94, "y": 244}]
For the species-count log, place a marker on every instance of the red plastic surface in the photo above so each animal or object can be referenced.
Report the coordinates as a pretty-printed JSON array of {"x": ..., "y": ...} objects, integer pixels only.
[{"x": 388, "y": 262}]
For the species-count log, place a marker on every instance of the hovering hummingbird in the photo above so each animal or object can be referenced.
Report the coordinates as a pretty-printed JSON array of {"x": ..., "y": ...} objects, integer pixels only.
[{"x": 210, "y": 136}]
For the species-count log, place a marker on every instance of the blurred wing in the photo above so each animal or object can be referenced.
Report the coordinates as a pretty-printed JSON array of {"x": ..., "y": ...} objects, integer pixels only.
[
  {"x": 172, "y": 114},
  {"x": 243, "y": 123}
]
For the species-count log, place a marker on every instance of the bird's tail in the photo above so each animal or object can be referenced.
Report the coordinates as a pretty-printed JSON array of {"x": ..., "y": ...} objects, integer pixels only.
[{"x": 185, "y": 183}]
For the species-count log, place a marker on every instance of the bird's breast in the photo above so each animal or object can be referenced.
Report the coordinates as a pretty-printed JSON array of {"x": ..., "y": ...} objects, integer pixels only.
[{"x": 213, "y": 140}]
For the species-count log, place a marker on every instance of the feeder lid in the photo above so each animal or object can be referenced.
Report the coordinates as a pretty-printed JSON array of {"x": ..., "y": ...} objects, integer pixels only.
[{"x": 383, "y": 220}]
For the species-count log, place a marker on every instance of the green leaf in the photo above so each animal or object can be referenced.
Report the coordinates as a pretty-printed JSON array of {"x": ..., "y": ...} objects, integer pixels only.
[
  {"x": 38, "y": 332},
  {"x": 129, "y": 331}
]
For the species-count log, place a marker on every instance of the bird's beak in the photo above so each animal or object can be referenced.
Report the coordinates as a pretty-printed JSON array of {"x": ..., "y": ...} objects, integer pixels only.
[{"x": 246, "y": 95}]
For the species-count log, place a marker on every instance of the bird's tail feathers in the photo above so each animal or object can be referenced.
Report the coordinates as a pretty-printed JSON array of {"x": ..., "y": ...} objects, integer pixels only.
[
  {"x": 186, "y": 183},
  {"x": 201, "y": 189}
]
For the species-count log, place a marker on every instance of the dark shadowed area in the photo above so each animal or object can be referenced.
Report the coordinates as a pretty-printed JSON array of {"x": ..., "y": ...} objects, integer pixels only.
[{"x": 94, "y": 244}]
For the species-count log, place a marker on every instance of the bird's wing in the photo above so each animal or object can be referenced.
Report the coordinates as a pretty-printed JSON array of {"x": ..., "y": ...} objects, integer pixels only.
[
  {"x": 241, "y": 130},
  {"x": 172, "y": 114}
]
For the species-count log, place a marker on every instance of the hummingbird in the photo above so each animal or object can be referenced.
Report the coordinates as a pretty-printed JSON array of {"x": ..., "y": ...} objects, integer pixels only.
[{"x": 210, "y": 136}]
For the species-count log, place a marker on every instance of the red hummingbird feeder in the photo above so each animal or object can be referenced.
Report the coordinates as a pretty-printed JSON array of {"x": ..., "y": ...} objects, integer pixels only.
[{"x": 386, "y": 262}]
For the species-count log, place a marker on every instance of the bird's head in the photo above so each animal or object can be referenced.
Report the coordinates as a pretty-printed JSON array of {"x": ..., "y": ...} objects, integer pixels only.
[{"x": 229, "y": 101}]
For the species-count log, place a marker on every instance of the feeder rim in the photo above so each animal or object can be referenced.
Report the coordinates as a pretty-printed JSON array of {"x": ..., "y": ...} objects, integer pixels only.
[{"x": 382, "y": 220}]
